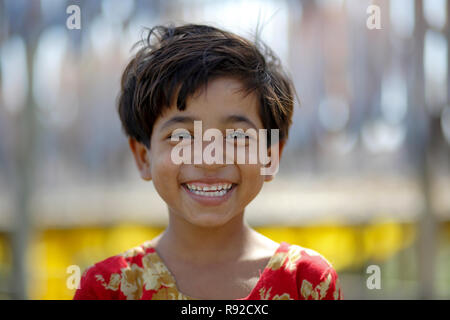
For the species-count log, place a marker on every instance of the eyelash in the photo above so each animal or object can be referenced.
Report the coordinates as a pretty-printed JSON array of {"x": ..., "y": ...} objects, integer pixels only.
[
  {"x": 179, "y": 134},
  {"x": 247, "y": 137},
  {"x": 243, "y": 135}
]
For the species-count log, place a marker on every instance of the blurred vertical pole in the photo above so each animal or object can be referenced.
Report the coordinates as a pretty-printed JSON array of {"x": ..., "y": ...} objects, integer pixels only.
[
  {"x": 25, "y": 137},
  {"x": 447, "y": 35},
  {"x": 427, "y": 222}
]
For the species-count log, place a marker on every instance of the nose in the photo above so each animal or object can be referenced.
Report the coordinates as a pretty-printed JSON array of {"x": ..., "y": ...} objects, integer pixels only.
[{"x": 210, "y": 156}]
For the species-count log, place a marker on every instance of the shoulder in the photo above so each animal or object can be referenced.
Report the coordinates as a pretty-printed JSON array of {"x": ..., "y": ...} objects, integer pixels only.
[
  {"x": 294, "y": 257},
  {"x": 315, "y": 276},
  {"x": 103, "y": 279}
]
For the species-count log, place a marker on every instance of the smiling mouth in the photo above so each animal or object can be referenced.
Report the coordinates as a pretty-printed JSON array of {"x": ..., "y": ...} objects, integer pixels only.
[{"x": 209, "y": 190}]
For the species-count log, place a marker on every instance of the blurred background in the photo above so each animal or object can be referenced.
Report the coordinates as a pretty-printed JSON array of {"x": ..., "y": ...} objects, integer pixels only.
[{"x": 365, "y": 178}]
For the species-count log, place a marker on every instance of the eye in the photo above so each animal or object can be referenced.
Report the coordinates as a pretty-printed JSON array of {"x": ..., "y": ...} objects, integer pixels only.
[
  {"x": 180, "y": 134},
  {"x": 237, "y": 135}
]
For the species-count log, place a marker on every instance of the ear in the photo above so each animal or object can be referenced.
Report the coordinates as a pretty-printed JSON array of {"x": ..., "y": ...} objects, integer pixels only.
[
  {"x": 270, "y": 177},
  {"x": 142, "y": 157}
]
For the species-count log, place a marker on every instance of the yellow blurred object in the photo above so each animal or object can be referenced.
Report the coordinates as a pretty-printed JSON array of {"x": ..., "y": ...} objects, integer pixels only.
[
  {"x": 348, "y": 246},
  {"x": 53, "y": 251}
]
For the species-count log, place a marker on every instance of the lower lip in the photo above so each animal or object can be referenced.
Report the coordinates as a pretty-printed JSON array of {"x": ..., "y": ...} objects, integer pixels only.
[{"x": 210, "y": 200}]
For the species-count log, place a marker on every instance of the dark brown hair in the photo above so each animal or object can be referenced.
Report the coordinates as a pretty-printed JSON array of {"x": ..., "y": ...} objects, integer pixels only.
[{"x": 174, "y": 62}]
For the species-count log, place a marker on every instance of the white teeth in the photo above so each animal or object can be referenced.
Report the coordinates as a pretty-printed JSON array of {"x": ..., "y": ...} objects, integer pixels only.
[
  {"x": 211, "y": 191},
  {"x": 210, "y": 194}
]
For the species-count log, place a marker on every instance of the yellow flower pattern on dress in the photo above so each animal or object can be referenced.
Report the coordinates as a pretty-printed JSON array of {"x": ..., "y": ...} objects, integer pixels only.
[
  {"x": 277, "y": 261},
  {"x": 284, "y": 296},
  {"x": 152, "y": 276},
  {"x": 263, "y": 294},
  {"x": 294, "y": 255},
  {"x": 155, "y": 274},
  {"x": 292, "y": 273},
  {"x": 113, "y": 282},
  {"x": 131, "y": 282},
  {"x": 289, "y": 259},
  {"x": 133, "y": 252},
  {"x": 170, "y": 293},
  {"x": 317, "y": 293},
  {"x": 337, "y": 291},
  {"x": 307, "y": 290}
]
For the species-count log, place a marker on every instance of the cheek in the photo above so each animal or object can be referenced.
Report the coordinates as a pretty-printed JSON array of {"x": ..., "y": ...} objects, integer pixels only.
[
  {"x": 164, "y": 171},
  {"x": 252, "y": 178}
]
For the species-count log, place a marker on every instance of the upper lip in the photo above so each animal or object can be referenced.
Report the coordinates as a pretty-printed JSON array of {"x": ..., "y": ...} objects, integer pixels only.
[{"x": 209, "y": 181}]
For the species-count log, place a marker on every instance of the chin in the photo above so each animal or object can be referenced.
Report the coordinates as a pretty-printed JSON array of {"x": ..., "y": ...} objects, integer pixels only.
[{"x": 209, "y": 220}]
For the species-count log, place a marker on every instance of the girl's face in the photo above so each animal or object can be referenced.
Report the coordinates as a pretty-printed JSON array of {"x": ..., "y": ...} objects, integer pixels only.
[{"x": 203, "y": 194}]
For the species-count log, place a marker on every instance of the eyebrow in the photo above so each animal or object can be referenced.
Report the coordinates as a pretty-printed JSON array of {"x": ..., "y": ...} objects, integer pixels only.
[
  {"x": 239, "y": 118},
  {"x": 187, "y": 119},
  {"x": 178, "y": 119}
]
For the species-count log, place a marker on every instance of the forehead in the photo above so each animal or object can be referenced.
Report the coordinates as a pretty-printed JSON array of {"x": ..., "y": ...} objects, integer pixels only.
[
  {"x": 223, "y": 90},
  {"x": 223, "y": 96}
]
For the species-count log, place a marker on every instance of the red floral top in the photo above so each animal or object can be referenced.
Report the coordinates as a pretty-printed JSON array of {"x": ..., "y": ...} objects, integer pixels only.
[{"x": 292, "y": 272}]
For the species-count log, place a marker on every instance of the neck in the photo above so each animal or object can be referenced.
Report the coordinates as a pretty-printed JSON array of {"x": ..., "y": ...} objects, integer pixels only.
[{"x": 201, "y": 245}]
